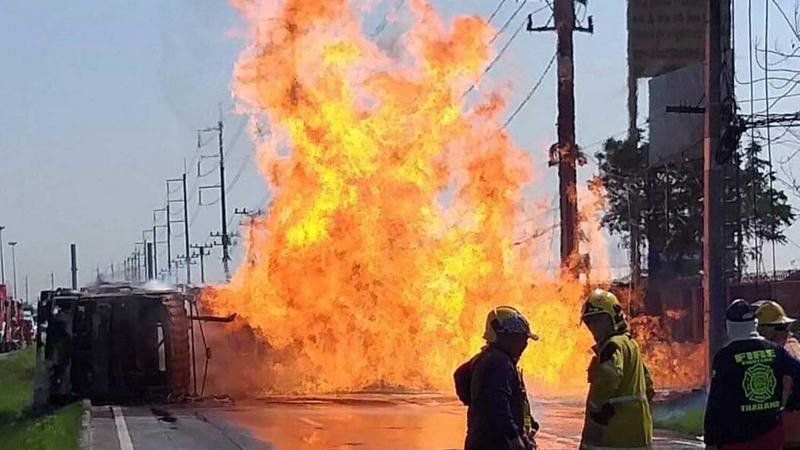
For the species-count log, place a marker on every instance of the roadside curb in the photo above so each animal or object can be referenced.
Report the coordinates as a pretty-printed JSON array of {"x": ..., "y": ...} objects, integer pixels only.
[{"x": 85, "y": 442}]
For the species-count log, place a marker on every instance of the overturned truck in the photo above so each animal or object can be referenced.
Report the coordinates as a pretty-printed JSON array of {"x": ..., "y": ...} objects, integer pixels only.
[{"x": 113, "y": 343}]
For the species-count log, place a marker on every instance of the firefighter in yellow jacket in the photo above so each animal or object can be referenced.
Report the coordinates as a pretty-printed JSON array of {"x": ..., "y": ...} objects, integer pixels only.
[
  {"x": 620, "y": 388},
  {"x": 774, "y": 324}
]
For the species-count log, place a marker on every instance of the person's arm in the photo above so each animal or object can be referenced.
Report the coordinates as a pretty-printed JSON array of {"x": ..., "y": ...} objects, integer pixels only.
[
  {"x": 711, "y": 431},
  {"x": 606, "y": 379},
  {"x": 790, "y": 365},
  {"x": 497, "y": 386},
  {"x": 648, "y": 380}
]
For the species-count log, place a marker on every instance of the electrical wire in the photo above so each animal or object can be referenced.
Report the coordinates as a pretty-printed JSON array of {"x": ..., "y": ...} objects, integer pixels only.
[
  {"x": 769, "y": 141},
  {"x": 532, "y": 91},
  {"x": 508, "y": 22},
  {"x": 496, "y": 10},
  {"x": 385, "y": 22},
  {"x": 786, "y": 18},
  {"x": 501, "y": 52},
  {"x": 756, "y": 245},
  {"x": 236, "y": 137},
  {"x": 239, "y": 173}
]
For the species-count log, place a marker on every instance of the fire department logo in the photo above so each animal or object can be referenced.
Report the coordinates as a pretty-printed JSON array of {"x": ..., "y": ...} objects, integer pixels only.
[{"x": 759, "y": 383}]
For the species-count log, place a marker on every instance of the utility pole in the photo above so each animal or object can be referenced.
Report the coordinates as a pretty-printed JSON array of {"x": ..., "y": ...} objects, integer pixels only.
[
  {"x": 13, "y": 245},
  {"x": 251, "y": 215},
  {"x": 150, "y": 272},
  {"x": 184, "y": 201},
  {"x": 26, "y": 289},
  {"x": 150, "y": 252},
  {"x": 169, "y": 239},
  {"x": 186, "y": 233},
  {"x": 169, "y": 243},
  {"x": 141, "y": 259},
  {"x": 52, "y": 281},
  {"x": 202, "y": 251},
  {"x": 565, "y": 153},
  {"x": 2, "y": 258},
  {"x": 224, "y": 212},
  {"x": 155, "y": 247},
  {"x": 713, "y": 273},
  {"x": 156, "y": 226}
]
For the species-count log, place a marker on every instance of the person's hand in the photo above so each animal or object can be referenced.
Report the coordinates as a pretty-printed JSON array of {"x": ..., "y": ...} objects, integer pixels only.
[
  {"x": 530, "y": 438},
  {"x": 516, "y": 444}
]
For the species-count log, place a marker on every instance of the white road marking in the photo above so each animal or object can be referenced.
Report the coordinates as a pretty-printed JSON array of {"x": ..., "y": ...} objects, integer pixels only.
[{"x": 122, "y": 429}]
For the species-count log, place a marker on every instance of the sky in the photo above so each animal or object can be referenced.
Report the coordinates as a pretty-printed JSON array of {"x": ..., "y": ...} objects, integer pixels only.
[{"x": 100, "y": 102}]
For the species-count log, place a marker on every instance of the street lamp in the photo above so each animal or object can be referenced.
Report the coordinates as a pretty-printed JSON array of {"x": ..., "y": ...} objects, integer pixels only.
[{"x": 13, "y": 245}]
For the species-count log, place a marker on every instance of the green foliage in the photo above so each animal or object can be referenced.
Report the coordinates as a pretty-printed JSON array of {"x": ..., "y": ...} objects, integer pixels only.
[
  {"x": 16, "y": 384},
  {"x": 22, "y": 428},
  {"x": 58, "y": 430},
  {"x": 664, "y": 205},
  {"x": 686, "y": 421}
]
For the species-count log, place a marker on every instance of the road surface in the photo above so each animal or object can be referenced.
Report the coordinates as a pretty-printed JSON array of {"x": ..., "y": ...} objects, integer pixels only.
[{"x": 408, "y": 422}]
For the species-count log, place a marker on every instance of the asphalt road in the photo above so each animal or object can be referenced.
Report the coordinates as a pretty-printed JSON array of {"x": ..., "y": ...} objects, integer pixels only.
[{"x": 408, "y": 422}]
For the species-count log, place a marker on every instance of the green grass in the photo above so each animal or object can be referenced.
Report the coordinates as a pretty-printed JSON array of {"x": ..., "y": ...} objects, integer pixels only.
[
  {"x": 21, "y": 427},
  {"x": 681, "y": 413},
  {"x": 690, "y": 422}
]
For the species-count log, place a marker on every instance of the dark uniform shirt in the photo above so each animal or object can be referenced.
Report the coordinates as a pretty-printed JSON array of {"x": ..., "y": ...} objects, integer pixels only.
[
  {"x": 744, "y": 401},
  {"x": 491, "y": 385}
]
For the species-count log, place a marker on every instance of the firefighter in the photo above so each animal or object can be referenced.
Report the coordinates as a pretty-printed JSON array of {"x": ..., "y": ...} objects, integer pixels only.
[
  {"x": 620, "y": 388},
  {"x": 744, "y": 401},
  {"x": 491, "y": 385},
  {"x": 774, "y": 324}
]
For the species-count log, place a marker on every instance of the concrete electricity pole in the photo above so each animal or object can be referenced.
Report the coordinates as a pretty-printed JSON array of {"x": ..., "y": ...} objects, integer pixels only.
[
  {"x": 184, "y": 201},
  {"x": 156, "y": 242},
  {"x": 251, "y": 215},
  {"x": 150, "y": 272},
  {"x": 224, "y": 211},
  {"x": 13, "y": 245},
  {"x": 2, "y": 258},
  {"x": 565, "y": 153},
  {"x": 713, "y": 273},
  {"x": 202, "y": 251}
]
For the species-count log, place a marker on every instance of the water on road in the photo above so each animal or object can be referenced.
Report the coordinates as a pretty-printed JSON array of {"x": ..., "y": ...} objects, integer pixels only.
[{"x": 408, "y": 422}]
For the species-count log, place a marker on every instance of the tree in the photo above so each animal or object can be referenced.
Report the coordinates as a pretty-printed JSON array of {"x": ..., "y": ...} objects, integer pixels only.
[{"x": 665, "y": 205}]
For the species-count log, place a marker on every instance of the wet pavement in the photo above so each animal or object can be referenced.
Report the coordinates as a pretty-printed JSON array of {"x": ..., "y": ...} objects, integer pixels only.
[
  {"x": 363, "y": 421},
  {"x": 408, "y": 422}
]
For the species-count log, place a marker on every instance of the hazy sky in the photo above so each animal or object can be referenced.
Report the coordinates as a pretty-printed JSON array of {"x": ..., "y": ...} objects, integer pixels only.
[{"x": 100, "y": 100}]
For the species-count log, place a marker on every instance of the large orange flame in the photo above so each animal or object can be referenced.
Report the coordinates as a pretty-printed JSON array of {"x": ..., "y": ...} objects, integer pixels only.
[{"x": 398, "y": 218}]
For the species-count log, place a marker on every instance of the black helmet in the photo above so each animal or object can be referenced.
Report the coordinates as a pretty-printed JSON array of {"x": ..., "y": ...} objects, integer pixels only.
[{"x": 740, "y": 311}]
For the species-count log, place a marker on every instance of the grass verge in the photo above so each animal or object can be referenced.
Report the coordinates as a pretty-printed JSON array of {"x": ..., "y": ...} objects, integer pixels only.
[
  {"x": 20, "y": 427},
  {"x": 684, "y": 413}
]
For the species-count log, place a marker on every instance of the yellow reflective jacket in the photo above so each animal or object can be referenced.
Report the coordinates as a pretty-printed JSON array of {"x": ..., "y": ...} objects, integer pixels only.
[{"x": 618, "y": 404}]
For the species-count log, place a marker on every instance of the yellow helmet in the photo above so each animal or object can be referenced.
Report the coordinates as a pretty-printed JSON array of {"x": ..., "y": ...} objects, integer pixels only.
[
  {"x": 506, "y": 320},
  {"x": 770, "y": 312},
  {"x": 600, "y": 301}
]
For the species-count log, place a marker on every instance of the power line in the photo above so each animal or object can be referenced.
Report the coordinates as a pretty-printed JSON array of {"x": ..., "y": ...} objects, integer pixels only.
[
  {"x": 532, "y": 91},
  {"x": 385, "y": 22},
  {"x": 239, "y": 173},
  {"x": 236, "y": 137},
  {"x": 508, "y": 22},
  {"x": 496, "y": 10},
  {"x": 786, "y": 18},
  {"x": 769, "y": 141},
  {"x": 501, "y": 52},
  {"x": 756, "y": 245}
]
